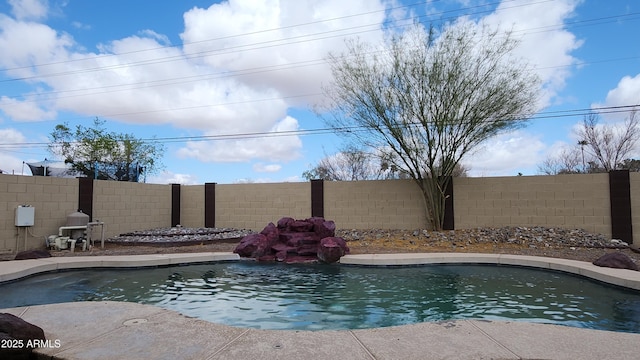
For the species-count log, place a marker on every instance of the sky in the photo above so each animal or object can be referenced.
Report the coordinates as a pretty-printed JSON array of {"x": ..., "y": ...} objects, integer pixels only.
[{"x": 229, "y": 86}]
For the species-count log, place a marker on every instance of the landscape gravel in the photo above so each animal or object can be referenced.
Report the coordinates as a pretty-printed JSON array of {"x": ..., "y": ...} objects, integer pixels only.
[
  {"x": 574, "y": 244},
  {"x": 534, "y": 237},
  {"x": 178, "y": 236}
]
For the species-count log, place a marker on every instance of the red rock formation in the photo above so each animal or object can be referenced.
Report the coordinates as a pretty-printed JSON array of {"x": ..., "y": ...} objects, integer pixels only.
[{"x": 295, "y": 241}]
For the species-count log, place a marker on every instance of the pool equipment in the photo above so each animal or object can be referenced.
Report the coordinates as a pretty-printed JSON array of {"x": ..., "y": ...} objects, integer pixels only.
[{"x": 77, "y": 229}]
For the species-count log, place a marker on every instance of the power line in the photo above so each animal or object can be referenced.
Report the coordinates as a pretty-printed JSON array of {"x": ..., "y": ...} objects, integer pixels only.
[
  {"x": 223, "y": 37},
  {"x": 255, "y": 33},
  {"x": 246, "y": 72},
  {"x": 322, "y": 131},
  {"x": 251, "y": 71}
]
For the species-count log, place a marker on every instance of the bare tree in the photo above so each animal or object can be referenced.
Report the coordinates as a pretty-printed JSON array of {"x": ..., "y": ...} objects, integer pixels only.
[
  {"x": 603, "y": 148},
  {"x": 431, "y": 99},
  {"x": 609, "y": 145},
  {"x": 567, "y": 161},
  {"x": 350, "y": 164}
]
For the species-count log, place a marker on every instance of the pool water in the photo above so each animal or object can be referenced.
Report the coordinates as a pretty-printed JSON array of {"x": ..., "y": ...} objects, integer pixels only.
[{"x": 321, "y": 297}]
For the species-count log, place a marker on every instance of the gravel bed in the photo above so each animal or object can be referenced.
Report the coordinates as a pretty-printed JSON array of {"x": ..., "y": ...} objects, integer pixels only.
[
  {"x": 533, "y": 237},
  {"x": 178, "y": 236},
  {"x": 572, "y": 244}
]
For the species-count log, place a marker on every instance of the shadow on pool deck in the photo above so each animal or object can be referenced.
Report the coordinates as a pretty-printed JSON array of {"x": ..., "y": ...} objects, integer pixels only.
[{"x": 119, "y": 330}]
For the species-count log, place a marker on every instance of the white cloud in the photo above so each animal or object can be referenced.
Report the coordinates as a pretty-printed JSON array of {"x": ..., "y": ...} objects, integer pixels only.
[
  {"x": 163, "y": 39},
  {"x": 168, "y": 177},
  {"x": 11, "y": 136},
  {"x": 626, "y": 93},
  {"x": 262, "y": 147},
  {"x": 294, "y": 178},
  {"x": 557, "y": 148},
  {"x": 261, "y": 167},
  {"x": 28, "y": 110},
  {"x": 506, "y": 154},
  {"x": 544, "y": 41},
  {"x": 81, "y": 26},
  {"x": 29, "y": 9},
  {"x": 26, "y": 46},
  {"x": 8, "y": 162},
  {"x": 292, "y": 36},
  {"x": 253, "y": 181}
]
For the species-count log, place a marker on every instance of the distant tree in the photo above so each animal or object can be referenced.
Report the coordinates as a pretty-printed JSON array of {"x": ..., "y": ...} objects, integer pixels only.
[
  {"x": 429, "y": 100},
  {"x": 567, "y": 161},
  {"x": 459, "y": 170},
  {"x": 631, "y": 165},
  {"x": 609, "y": 145},
  {"x": 351, "y": 164},
  {"x": 318, "y": 172},
  {"x": 603, "y": 148},
  {"x": 96, "y": 153}
]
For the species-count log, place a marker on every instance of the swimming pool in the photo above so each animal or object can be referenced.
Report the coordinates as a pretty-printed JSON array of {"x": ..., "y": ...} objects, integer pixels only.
[{"x": 321, "y": 297}]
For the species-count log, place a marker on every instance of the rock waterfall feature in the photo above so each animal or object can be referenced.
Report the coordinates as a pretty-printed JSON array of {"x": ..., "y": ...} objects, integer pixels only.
[{"x": 294, "y": 241}]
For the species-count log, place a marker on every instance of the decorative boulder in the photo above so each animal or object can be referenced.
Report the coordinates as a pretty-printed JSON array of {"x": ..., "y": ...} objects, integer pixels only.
[
  {"x": 616, "y": 260},
  {"x": 323, "y": 228},
  {"x": 14, "y": 328},
  {"x": 331, "y": 249},
  {"x": 252, "y": 245},
  {"x": 32, "y": 254},
  {"x": 293, "y": 241},
  {"x": 272, "y": 234},
  {"x": 283, "y": 224},
  {"x": 301, "y": 226}
]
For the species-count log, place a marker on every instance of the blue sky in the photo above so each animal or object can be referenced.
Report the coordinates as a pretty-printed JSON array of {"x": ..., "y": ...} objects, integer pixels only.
[{"x": 177, "y": 69}]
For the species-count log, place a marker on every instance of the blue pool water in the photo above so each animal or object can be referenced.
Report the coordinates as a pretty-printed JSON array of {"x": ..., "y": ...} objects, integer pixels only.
[{"x": 319, "y": 297}]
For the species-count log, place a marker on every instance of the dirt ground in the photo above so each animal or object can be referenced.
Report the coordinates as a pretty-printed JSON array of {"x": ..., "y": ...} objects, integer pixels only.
[{"x": 394, "y": 243}]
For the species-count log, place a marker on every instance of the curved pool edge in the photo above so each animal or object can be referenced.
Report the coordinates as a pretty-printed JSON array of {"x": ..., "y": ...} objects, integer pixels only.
[
  {"x": 620, "y": 277},
  {"x": 110, "y": 330},
  {"x": 17, "y": 269}
]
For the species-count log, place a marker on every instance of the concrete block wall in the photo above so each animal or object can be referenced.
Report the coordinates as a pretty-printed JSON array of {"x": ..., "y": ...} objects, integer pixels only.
[
  {"x": 568, "y": 201},
  {"x": 380, "y": 204},
  {"x": 253, "y": 206},
  {"x": 192, "y": 206},
  {"x": 53, "y": 199},
  {"x": 127, "y": 206}
]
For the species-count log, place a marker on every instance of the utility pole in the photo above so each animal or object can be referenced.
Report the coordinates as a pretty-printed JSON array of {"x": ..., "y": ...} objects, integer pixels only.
[{"x": 582, "y": 143}]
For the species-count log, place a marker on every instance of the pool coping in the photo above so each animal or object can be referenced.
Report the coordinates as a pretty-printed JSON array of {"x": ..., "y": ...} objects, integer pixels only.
[
  {"x": 620, "y": 277},
  {"x": 107, "y": 330},
  {"x": 17, "y": 269}
]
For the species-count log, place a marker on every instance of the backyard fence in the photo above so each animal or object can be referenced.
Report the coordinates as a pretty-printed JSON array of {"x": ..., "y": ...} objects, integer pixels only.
[{"x": 598, "y": 203}]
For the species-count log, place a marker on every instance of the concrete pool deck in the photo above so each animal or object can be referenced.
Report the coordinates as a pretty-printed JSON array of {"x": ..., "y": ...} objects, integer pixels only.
[{"x": 119, "y": 330}]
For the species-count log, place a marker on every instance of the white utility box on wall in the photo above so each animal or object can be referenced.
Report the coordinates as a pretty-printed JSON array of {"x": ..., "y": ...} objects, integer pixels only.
[{"x": 25, "y": 215}]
